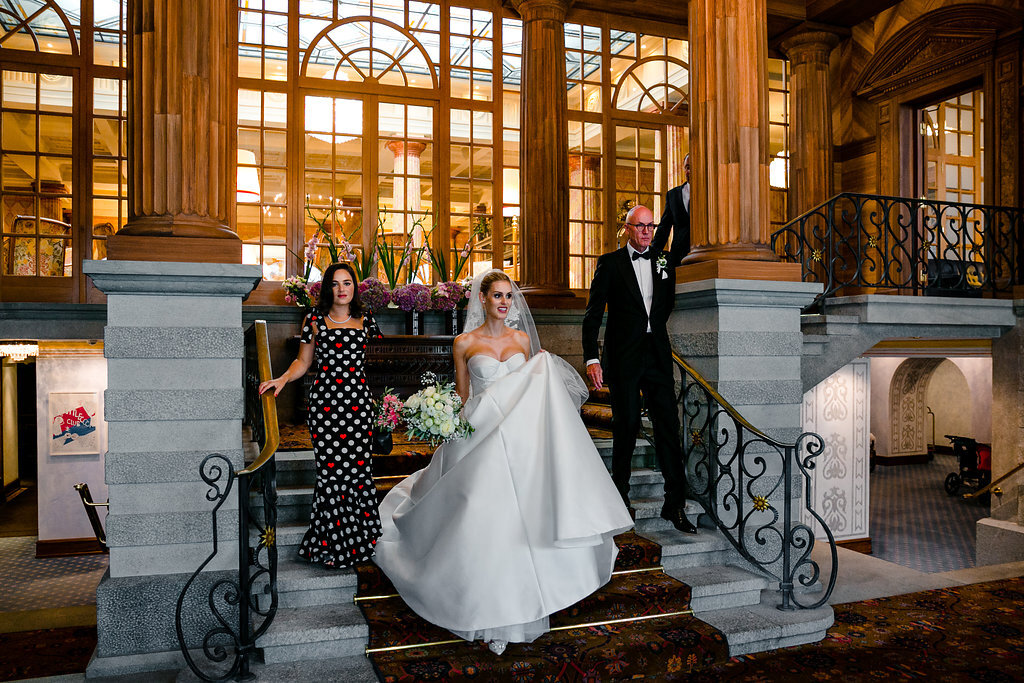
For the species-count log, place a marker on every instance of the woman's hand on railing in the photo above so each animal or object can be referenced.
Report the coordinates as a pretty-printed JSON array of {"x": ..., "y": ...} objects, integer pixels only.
[{"x": 277, "y": 384}]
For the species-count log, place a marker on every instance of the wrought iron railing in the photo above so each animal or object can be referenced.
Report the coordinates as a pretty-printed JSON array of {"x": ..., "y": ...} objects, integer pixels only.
[
  {"x": 243, "y": 606},
  {"x": 861, "y": 243},
  {"x": 756, "y": 489}
]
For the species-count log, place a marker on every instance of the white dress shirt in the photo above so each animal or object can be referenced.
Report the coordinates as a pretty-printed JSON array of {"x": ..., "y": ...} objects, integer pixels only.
[
  {"x": 685, "y": 192},
  {"x": 642, "y": 269}
]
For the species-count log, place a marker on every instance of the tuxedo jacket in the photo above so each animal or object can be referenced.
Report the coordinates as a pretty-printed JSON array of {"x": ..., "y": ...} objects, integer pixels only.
[
  {"x": 615, "y": 286},
  {"x": 677, "y": 220}
]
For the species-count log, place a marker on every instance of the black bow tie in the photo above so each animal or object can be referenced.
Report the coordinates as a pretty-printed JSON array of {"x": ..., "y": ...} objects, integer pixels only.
[{"x": 644, "y": 255}]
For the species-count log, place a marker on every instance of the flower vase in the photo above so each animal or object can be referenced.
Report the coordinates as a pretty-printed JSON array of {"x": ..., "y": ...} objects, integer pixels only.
[
  {"x": 413, "y": 322},
  {"x": 381, "y": 443}
]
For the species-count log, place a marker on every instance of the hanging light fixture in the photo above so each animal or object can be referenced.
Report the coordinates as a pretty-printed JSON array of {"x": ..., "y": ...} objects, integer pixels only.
[
  {"x": 18, "y": 351},
  {"x": 247, "y": 190}
]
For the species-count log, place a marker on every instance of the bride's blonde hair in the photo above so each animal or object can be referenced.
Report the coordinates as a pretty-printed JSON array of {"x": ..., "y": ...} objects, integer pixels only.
[{"x": 491, "y": 278}]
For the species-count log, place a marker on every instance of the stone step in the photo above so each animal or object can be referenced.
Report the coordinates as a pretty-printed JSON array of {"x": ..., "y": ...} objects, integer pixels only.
[
  {"x": 762, "y": 626},
  {"x": 705, "y": 548},
  {"x": 648, "y": 513},
  {"x": 302, "y": 584},
  {"x": 720, "y": 586},
  {"x": 320, "y": 632},
  {"x": 295, "y": 477}
]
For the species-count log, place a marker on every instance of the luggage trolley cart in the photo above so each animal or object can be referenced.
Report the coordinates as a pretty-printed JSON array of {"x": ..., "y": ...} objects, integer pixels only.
[{"x": 975, "y": 464}]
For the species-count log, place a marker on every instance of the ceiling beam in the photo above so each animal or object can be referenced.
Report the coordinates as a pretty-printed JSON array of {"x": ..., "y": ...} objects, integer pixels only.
[{"x": 846, "y": 12}]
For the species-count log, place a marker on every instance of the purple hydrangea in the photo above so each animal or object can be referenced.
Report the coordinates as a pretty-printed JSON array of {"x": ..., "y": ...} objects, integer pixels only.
[
  {"x": 412, "y": 297},
  {"x": 446, "y": 296},
  {"x": 374, "y": 294}
]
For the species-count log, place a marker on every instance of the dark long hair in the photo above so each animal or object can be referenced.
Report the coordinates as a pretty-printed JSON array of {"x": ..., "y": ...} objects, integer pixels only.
[{"x": 326, "y": 299}]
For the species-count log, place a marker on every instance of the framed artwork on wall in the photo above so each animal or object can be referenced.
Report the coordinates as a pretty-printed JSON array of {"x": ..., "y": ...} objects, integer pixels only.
[{"x": 74, "y": 429}]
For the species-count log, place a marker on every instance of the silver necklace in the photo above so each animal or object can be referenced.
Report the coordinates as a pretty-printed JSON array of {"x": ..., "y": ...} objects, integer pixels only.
[{"x": 339, "y": 322}]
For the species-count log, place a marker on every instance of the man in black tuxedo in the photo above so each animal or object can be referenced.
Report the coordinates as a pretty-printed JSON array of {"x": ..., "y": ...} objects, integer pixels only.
[
  {"x": 637, "y": 283},
  {"x": 676, "y": 217}
]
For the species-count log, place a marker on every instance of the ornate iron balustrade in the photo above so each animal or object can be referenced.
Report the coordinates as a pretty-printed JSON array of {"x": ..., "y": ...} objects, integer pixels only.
[
  {"x": 870, "y": 243},
  {"x": 243, "y": 607},
  {"x": 749, "y": 484}
]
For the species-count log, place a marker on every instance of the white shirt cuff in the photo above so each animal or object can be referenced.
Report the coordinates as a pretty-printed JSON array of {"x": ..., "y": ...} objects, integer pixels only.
[{"x": 592, "y": 361}]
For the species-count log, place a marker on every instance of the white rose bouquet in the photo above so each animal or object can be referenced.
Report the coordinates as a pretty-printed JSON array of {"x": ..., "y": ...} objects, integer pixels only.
[{"x": 432, "y": 413}]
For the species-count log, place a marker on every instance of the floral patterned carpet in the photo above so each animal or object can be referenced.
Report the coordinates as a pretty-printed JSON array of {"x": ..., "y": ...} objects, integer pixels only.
[
  {"x": 967, "y": 633},
  {"x": 678, "y": 644}
]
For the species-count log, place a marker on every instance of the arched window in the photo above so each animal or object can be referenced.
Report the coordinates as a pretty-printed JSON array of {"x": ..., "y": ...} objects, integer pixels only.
[
  {"x": 654, "y": 84},
  {"x": 57, "y": 204}
]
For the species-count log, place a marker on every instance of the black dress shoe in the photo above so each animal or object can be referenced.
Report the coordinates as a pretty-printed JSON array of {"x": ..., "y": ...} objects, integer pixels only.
[{"x": 677, "y": 516}]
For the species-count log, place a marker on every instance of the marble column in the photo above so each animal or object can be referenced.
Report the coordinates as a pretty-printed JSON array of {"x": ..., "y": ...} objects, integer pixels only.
[
  {"x": 810, "y": 140},
  {"x": 174, "y": 349},
  {"x": 544, "y": 155},
  {"x": 729, "y": 135},
  {"x": 181, "y": 129}
]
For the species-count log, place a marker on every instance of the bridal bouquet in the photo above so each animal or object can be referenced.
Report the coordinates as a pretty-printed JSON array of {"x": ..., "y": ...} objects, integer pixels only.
[{"x": 432, "y": 413}]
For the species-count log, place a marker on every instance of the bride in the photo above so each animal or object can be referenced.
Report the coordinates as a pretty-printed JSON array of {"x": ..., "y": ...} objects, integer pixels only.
[{"x": 515, "y": 522}]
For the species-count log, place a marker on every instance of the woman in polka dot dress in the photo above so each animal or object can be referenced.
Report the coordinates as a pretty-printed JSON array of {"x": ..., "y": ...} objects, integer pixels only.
[{"x": 344, "y": 525}]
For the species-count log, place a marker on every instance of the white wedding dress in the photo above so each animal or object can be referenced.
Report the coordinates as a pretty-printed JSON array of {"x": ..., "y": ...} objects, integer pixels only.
[{"x": 514, "y": 523}]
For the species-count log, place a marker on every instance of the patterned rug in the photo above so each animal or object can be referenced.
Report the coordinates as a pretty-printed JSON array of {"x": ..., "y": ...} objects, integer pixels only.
[
  {"x": 915, "y": 523},
  {"x": 675, "y": 643},
  {"x": 53, "y": 652},
  {"x": 966, "y": 633},
  {"x": 33, "y": 583}
]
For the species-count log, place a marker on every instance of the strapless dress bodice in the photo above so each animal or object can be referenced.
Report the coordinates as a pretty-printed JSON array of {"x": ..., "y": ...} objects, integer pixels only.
[{"x": 484, "y": 370}]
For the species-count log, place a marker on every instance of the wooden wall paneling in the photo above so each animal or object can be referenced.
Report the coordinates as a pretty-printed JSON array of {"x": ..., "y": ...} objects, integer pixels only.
[{"x": 1005, "y": 125}]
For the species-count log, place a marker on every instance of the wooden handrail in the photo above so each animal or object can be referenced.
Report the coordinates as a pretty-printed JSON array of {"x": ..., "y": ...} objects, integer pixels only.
[
  {"x": 993, "y": 484},
  {"x": 271, "y": 431}
]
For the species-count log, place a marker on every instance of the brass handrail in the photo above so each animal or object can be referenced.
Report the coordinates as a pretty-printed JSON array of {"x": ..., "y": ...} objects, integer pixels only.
[
  {"x": 270, "y": 427},
  {"x": 733, "y": 413},
  {"x": 993, "y": 484}
]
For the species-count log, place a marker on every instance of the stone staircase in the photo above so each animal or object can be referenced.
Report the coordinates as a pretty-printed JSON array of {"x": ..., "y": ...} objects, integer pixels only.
[
  {"x": 317, "y": 617},
  {"x": 854, "y": 324}
]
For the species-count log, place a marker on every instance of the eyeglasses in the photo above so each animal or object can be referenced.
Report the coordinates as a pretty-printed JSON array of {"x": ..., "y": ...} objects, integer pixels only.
[{"x": 643, "y": 227}]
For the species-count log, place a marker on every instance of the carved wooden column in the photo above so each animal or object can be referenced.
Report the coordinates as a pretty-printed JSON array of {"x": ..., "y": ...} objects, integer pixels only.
[
  {"x": 676, "y": 149},
  {"x": 729, "y": 136},
  {"x": 544, "y": 155},
  {"x": 810, "y": 146},
  {"x": 182, "y": 134}
]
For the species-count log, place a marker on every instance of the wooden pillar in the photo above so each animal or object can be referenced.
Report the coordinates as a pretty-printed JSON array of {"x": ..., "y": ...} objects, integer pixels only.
[
  {"x": 810, "y": 146},
  {"x": 729, "y": 136},
  {"x": 544, "y": 154},
  {"x": 182, "y": 133}
]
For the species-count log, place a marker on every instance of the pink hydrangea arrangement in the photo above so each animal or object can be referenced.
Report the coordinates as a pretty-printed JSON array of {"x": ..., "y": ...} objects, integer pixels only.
[
  {"x": 446, "y": 296},
  {"x": 412, "y": 297},
  {"x": 387, "y": 412},
  {"x": 375, "y": 294}
]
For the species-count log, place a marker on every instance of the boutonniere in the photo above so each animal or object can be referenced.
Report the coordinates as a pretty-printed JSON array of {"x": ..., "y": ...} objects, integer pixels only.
[{"x": 661, "y": 264}]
